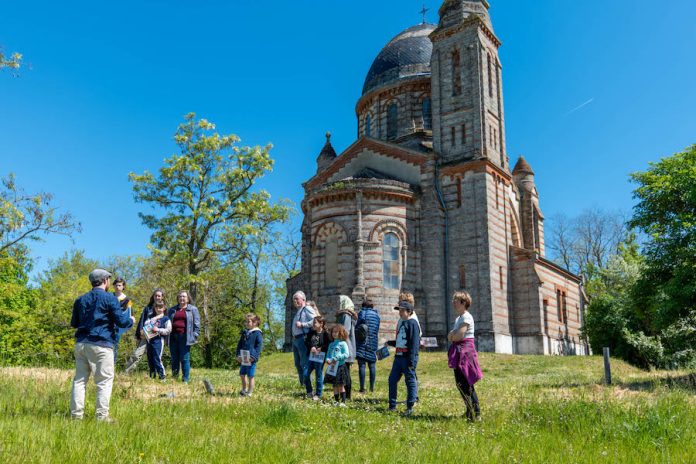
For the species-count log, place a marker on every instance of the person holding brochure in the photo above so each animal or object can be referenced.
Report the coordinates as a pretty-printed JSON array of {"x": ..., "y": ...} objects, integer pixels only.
[
  {"x": 317, "y": 342},
  {"x": 407, "y": 345},
  {"x": 301, "y": 324},
  {"x": 157, "y": 300},
  {"x": 156, "y": 328},
  {"x": 336, "y": 356},
  {"x": 248, "y": 352}
]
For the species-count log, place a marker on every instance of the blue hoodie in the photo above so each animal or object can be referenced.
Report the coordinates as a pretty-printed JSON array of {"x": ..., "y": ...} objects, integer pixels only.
[{"x": 252, "y": 341}]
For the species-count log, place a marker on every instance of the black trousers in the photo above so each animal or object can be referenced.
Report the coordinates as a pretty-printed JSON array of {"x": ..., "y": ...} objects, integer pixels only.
[
  {"x": 468, "y": 395},
  {"x": 349, "y": 383}
]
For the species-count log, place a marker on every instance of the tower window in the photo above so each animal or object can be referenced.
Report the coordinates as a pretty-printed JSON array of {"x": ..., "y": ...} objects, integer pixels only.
[
  {"x": 390, "y": 260},
  {"x": 368, "y": 126},
  {"x": 462, "y": 276},
  {"x": 454, "y": 135},
  {"x": 392, "y": 121},
  {"x": 331, "y": 263},
  {"x": 427, "y": 114},
  {"x": 459, "y": 192},
  {"x": 490, "y": 76},
  {"x": 463, "y": 134},
  {"x": 456, "y": 74}
]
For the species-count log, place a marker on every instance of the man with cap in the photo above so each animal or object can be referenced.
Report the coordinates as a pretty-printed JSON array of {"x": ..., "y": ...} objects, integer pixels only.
[{"x": 97, "y": 316}]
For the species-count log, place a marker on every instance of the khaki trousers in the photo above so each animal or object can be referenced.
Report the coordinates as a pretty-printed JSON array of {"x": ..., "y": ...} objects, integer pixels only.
[{"x": 99, "y": 361}]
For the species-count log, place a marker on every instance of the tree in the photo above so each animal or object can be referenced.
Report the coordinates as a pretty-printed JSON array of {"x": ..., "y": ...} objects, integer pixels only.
[
  {"x": 12, "y": 61},
  {"x": 665, "y": 295},
  {"x": 206, "y": 198},
  {"x": 28, "y": 217},
  {"x": 585, "y": 244}
]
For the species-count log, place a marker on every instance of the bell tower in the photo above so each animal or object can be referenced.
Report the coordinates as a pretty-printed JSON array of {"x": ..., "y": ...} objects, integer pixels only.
[{"x": 467, "y": 94}]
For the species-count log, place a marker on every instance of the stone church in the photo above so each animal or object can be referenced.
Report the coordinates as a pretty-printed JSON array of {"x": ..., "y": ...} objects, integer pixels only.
[{"x": 426, "y": 201}]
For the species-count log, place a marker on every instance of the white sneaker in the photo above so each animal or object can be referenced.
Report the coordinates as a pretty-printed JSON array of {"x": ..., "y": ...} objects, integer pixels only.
[
  {"x": 341, "y": 405},
  {"x": 315, "y": 398},
  {"x": 336, "y": 403}
]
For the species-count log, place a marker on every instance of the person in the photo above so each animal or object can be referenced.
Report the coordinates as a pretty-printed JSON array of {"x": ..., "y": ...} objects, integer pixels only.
[
  {"x": 126, "y": 305},
  {"x": 157, "y": 301},
  {"x": 251, "y": 340},
  {"x": 462, "y": 356},
  {"x": 186, "y": 328},
  {"x": 301, "y": 324},
  {"x": 407, "y": 345},
  {"x": 346, "y": 316},
  {"x": 96, "y": 316},
  {"x": 336, "y": 356},
  {"x": 312, "y": 304},
  {"x": 409, "y": 298},
  {"x": 317, "y": 343},
  {"x": 366, "y": 349},
  {"x": 155, "y": 330}
]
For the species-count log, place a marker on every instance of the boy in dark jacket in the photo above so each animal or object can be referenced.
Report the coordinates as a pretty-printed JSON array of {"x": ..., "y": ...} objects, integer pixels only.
[
  {"x": 317, "y": 343},
  {"x": 407, "y": 345},
  {"x": 251, "y": 341}
]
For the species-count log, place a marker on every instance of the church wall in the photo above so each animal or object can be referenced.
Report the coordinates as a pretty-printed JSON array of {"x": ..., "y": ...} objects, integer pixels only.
[
  {"x": 408, "y": 97},
  {"x": 529, "y": 321}
]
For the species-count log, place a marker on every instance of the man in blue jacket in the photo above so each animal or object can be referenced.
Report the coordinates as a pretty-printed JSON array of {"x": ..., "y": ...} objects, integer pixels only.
[{"x": 97, "y": 316}]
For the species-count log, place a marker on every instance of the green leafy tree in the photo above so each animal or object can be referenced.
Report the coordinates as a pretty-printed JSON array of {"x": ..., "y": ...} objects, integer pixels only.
[
  {"x": 665, "y": 295},
  {"x": 29, "y": 217},
  {"x": 206, "y": 204},
  {"x": 12, "y": 61}
]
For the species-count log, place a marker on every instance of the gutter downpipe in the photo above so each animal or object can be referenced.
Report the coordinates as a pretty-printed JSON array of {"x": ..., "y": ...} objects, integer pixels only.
[{"x": 445, "y": 260}]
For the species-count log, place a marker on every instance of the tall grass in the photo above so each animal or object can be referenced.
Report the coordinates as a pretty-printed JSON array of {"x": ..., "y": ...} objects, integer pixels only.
[{"x": 535, "y": 409}]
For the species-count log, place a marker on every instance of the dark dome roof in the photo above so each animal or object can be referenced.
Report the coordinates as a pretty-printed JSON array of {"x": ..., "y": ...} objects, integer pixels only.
[{"x": 406, "y": 55}]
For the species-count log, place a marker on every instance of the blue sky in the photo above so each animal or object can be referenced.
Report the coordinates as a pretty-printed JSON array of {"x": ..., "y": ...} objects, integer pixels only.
[{"x": 593, "y": 90}]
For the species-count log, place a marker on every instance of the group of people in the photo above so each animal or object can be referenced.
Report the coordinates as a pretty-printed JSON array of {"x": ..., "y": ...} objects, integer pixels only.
[
  {"x": 100, "y": 319},
  {"x": 354, "y": 336}
]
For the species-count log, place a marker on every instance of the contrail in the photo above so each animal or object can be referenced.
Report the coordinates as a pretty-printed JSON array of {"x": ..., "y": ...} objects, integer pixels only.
[{"x": 579, "y": 107}]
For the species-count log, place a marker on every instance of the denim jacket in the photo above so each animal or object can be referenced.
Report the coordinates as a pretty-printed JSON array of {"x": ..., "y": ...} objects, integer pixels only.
[{"x": 97, "y": 315}]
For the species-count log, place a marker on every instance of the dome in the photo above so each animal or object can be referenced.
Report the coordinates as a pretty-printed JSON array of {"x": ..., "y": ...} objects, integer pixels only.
[{"x": 406, "y": 55}]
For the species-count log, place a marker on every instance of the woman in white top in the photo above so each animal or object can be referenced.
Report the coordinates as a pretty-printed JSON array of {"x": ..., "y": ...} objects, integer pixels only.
[{"x": 462, "y": 354}]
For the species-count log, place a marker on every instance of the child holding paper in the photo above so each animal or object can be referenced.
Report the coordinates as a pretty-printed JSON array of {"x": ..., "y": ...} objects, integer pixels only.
[
  {"x": 248, "y": 352},
  {"x": 336, "y": 356},
  {"x": 317, "y": 342}
]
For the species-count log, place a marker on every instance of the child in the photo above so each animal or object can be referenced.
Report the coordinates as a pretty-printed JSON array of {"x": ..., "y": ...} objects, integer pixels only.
[
  {"x": 407, "y": 345},
  {"x": 336, "y": 355},
  {"x": 251, "y": 341},
  {"x": 317, "y": 342},
  {"x": 126, "y": 305},
  {"x": 156, "y": 329}
]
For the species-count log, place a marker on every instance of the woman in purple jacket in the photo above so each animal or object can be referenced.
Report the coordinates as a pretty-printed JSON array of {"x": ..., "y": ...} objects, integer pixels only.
[{"x": 462, "y": 355}]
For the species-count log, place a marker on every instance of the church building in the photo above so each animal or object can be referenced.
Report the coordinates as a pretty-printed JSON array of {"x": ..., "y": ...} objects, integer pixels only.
[{"x": 426, "y": 201}]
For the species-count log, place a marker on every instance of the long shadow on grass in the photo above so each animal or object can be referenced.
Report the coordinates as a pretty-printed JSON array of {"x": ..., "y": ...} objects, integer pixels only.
[{"x": 684, "y": 382}]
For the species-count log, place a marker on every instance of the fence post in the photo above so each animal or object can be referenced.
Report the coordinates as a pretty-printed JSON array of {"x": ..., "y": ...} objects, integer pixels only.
[{"x": 607, "y": 366}]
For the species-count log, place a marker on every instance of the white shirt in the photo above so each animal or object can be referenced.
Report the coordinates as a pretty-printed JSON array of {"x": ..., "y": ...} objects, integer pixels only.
[{"x": 465, "y": 319}]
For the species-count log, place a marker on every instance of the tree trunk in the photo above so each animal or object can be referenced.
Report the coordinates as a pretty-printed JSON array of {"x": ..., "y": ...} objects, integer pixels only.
[{"x": 207, "y": 350}]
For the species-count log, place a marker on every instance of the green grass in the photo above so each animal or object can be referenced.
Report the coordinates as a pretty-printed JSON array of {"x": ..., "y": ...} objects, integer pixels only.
[{"x": 535, "y": 409}]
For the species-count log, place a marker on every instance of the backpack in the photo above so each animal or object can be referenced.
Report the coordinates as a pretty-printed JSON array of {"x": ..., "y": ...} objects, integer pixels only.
[{"x": 362, "y": 330}]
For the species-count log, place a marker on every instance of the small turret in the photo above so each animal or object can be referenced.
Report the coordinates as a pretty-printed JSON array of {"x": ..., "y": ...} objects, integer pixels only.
[
  {"x": 524, "y": 176},
  {"x": 327, "y": 155}
]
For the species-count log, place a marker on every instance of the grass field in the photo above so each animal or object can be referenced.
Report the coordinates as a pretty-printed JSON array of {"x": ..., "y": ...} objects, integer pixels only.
[{"x": 535, "y": 409}]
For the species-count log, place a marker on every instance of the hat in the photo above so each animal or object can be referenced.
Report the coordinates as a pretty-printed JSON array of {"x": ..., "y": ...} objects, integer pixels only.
[
  {"x": 98, "y": 276},
  {"x": 404, "y": 305}
]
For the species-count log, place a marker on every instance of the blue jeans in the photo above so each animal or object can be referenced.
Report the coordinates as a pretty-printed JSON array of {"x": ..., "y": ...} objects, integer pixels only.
[
  {"x": 399, "y": 368},
  {"x": 299, "y": 352},
  {"x": 181, "y": 356},
  {"x": 318, "y": 369}
]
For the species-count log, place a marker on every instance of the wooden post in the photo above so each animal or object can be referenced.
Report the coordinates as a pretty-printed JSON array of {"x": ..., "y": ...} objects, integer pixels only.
[{"x": 607, "y": 366}]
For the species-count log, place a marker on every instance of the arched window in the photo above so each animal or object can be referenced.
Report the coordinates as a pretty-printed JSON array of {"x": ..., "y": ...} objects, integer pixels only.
[
  {"x": 392, "y": 121},
  {"x": 331, "y": 263},
  {"x": 368, "y": 126},
  {"x": 456, "y": 74},
  {"x": 390, "y": 259},
  {"x": 427, "y": 114}
]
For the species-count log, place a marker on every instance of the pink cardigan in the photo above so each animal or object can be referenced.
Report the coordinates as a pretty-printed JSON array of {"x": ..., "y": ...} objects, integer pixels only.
[{"x": 462, "y": 355}]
